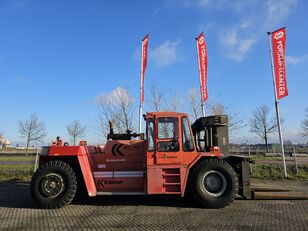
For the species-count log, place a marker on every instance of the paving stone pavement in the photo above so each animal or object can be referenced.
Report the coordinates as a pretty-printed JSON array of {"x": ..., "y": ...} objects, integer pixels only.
[{"x": 19, "y": 212}]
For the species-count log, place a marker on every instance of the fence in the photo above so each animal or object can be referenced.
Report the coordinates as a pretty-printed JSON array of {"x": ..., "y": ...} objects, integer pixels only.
[
  {"x": 14, "y": 164},
  {"x": 268, "y": 164},
  {"x": 272, "y": 151}
]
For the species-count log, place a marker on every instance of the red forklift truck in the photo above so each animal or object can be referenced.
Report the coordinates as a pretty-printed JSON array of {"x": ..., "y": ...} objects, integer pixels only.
[{"x": 174, "y": 157}]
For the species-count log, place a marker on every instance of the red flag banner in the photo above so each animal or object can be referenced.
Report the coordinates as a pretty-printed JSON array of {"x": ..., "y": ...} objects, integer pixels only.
[
  {"x": 202, "y": 61},
  {"x": 144, "y": 57},
  {"x": 279, "y": 46}
]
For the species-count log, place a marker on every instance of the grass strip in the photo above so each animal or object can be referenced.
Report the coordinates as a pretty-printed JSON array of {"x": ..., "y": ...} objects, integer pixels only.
[
  {"x": 17, "y": 158},
  {"x": 274, "y": 172},
  {"x": 14, "y": 172}
]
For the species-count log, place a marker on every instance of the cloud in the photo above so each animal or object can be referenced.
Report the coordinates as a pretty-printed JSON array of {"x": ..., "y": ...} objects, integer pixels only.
[
  {"x": 207, "y": 27},
  {"x": 116, "y": 96},
  {"x": 240, "y": 5},
  {"x": 278, "y": 10},
  {"x": 243, "y": 35},
  {"x": 294, "y": 60},
  {"x": 253, "y": 19},
  {"x": 165, "y": 54},
  {"x": 245, "y": 24},
  {"x": 237, "y": 48}
]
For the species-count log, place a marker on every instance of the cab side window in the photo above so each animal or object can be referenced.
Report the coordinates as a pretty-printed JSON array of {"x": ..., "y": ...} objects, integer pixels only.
[
  {"x": 168, "y": 134},
  {"x": 150, "y": 135},
  {"x": 188, "y": 144}
]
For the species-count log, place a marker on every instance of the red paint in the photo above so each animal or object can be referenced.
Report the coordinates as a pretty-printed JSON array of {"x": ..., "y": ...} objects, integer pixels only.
[
  {"x": 279, "y": 48},
  {"x": 67, "y": 150},
  {"x": 126, "y": 166},
  {"x": 144, "y": 58},
  {"x": 203, "y": 65},
  {"x": 87, "y": 174}
]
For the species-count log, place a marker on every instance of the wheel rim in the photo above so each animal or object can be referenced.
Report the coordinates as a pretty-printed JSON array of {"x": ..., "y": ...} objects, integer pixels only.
[
  {"x": 215, "y": 183},
  {"x": 52, "y": 185}
]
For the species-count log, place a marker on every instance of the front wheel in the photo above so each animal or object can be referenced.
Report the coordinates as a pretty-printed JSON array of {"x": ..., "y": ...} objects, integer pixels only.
[
  {"x": 53, "y": 185},
  {"x": 214, "y": 183}
]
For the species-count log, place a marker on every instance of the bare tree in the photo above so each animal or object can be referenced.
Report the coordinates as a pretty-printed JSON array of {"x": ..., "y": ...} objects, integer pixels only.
[
  {"x": 262, "y": 125},
  {"x": 218, "y": 109},
  {"x": 194, "y": 101},
  {"x": 173, "y": 104},
  {"x": 116, "y": 107},
  {"x": 304, "y": 125},
  {"x": 235, "y": 122},
  {"x": 75, "y": 130},
  {"x": 100, "y": 125},
  {"x": 32, "y": 129},
  {"x": 155, "y": 97}
]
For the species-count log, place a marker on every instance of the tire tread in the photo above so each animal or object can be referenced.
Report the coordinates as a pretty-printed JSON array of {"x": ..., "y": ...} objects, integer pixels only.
[
  {"x": 64, "y": 198},
  {"x": 207, "y": 163}
]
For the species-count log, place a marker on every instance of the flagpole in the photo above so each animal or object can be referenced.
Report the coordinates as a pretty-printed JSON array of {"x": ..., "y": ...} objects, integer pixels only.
[
  {"x": 199, "y": 70},
  {"x": 277, "y": 108},
  {"x": 141, "y": 84}
]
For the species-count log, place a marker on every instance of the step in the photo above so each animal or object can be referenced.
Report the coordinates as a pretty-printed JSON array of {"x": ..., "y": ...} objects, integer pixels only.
[
  {"x": 173, "y": 174},
  {"x": 172, "y": 193},
  {"x": 166, "y": 183},
  {"x": 120, "y": 193}
]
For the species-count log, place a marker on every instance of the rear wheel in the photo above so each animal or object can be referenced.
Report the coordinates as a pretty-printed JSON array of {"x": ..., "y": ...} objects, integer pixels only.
[
  {"x": 54, "y": 185},
  {"x": 214, "y": 183}
]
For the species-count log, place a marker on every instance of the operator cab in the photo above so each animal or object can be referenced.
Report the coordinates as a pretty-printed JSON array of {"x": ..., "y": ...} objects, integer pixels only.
[{"x": 169, "y": 138}]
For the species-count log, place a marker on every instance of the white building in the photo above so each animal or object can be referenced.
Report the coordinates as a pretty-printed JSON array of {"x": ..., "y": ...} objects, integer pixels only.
[{"x": 4, "y": 142}]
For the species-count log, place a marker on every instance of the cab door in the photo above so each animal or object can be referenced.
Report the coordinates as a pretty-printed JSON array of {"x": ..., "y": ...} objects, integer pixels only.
[{"x": 167, "y": 149}]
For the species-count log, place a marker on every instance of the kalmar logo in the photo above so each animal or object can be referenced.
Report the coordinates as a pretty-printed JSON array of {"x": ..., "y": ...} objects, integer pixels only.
[
  {"x": 201, "y": 40},
  {"x": 278, "y": 35}
]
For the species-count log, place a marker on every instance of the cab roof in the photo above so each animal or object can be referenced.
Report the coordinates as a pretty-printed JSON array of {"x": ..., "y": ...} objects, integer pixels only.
[{"x": 166, "y": 113}]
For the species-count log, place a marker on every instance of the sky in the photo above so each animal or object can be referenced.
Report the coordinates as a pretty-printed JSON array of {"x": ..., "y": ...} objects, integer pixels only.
[{"x": 57, "y": 57}]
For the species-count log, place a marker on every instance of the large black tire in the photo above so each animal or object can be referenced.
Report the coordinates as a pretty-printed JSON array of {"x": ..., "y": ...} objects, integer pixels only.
[
  {"x": 53, "y": 185},
  {"x": 213, "y": 183}
]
